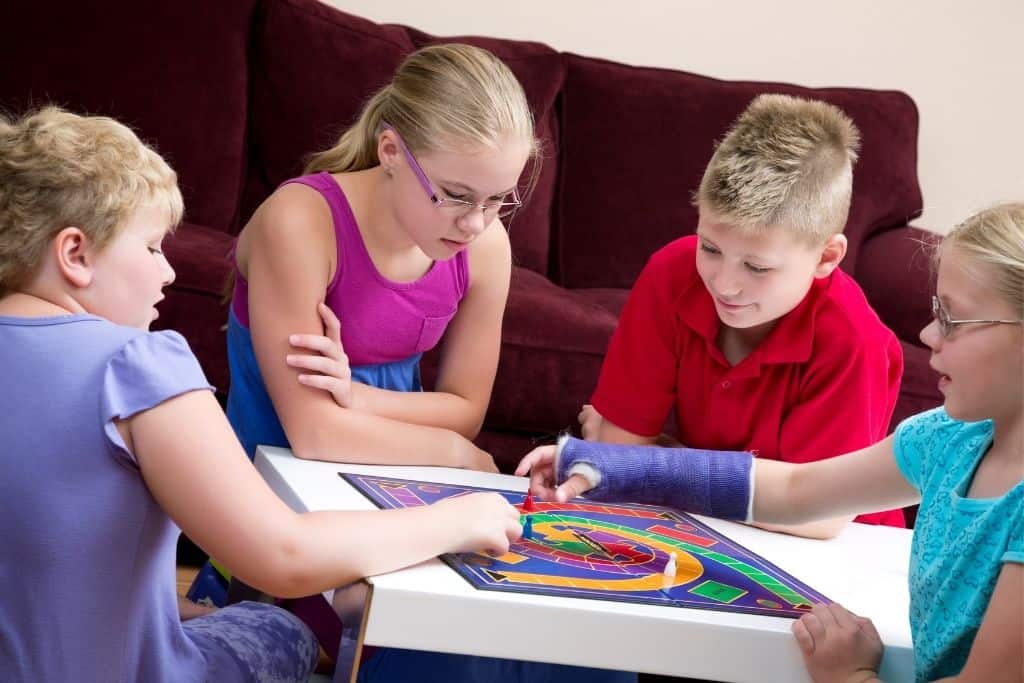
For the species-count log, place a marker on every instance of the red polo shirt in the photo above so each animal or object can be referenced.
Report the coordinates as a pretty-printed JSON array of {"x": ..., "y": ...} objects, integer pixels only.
[{"x": 822, "y": 383}]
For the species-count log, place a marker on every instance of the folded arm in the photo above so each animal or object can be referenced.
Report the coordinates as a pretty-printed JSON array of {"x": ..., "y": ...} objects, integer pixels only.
[
  {"x": 469, "y": 356},
  {"x": 290, "y": 261}
]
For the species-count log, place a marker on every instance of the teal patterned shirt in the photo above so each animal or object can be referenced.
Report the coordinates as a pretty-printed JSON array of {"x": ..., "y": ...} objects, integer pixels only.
[{"x": 960, "y": 543}]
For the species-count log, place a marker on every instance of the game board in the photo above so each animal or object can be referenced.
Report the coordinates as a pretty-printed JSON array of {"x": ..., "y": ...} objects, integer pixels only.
[{"x": 613, "y": 552}]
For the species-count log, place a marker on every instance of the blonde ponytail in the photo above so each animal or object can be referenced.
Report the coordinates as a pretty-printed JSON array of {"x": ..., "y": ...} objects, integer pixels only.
[
  {"x": 357, "y": 148},
  {"x": 442, "y": 98}
]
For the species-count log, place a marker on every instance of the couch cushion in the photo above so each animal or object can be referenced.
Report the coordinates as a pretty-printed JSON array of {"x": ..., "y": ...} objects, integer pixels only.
[
  {"x": 194, "y": 306},
  {"x": 174, "y": 71},
  {"x": 313, "y": 68},
  {"x": 541, "y": 71},
  {"x": 895, "y": 271},
  {"x": 554, "y": 341},
  {"x": 553, "y": 344},
  {"x": 635, "y": 142}
]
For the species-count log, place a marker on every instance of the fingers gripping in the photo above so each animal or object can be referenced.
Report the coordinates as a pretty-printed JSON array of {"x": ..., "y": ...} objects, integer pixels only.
[{"x": 332, "y": 326}]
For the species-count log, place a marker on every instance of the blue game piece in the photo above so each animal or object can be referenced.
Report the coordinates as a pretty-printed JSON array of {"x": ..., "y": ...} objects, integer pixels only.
[
  {"x": 209, "y": 587},
  {"x": 528, "y": 527}
]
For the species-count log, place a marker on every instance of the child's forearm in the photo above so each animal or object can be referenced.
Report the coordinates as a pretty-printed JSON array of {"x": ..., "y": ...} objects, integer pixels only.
[
  {"x": 352, "y": 437},
  {"x": 390, "y": 534},
  {"x": 725, "y": 484},
  {"x": 325, "y": 550},
  {"x": 428, "y": 408},
  {"x": 716, "y": 483},
  {"x": 819, "y": 529}
]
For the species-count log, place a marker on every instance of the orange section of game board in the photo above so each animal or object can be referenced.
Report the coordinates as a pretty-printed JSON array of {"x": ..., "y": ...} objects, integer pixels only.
[{"x": 688, "y": 568}]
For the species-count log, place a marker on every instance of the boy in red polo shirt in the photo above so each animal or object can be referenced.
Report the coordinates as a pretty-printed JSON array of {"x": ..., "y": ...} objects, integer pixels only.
[{"x": 749, "y": 327}]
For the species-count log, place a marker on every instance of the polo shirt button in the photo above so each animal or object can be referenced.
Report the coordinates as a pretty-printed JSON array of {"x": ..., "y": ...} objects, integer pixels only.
[{"x": 726, "y": 384}]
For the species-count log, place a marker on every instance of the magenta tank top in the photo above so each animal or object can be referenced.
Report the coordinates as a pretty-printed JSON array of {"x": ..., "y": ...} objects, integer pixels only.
[{"x": 381, "y": 321}]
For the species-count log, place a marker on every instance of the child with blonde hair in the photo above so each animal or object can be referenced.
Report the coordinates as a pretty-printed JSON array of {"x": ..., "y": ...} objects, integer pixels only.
[
  {"x": 963, "y": 462},
  {"x": 749, "y": 328},
  {"x": 99, "y": 476},
  {"x": 394, "y": 238}
]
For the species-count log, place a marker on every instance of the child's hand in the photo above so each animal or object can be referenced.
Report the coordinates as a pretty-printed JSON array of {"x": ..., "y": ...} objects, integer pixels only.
[
  {"x": 330, "y": 362},
  {"x": 190, "y": 610},
  {"x": 541, "y": 465},
  {"x": 590, "y": 422},
  {"x": 837, "y": 645},
  {"x": 485, "y": 523}
]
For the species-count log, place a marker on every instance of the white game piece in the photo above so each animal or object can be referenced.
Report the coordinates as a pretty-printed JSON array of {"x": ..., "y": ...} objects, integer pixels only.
[{"x": 670, "y": 566}]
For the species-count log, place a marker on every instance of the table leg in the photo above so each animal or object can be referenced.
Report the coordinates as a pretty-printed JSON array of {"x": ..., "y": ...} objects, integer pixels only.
[{"x": 352, "y": 603}]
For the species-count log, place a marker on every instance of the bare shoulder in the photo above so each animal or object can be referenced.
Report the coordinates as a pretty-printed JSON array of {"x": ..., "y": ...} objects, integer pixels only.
[
  {"x": 490, "y": 254},
  {"x": 294, "y": 218}
]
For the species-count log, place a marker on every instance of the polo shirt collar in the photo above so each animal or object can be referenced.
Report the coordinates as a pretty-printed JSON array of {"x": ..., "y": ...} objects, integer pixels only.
[{"x": 790, "y": 341}]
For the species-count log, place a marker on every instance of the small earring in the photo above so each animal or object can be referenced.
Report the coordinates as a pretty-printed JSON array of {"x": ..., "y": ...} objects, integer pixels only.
[{"x": 389, "y": 171}]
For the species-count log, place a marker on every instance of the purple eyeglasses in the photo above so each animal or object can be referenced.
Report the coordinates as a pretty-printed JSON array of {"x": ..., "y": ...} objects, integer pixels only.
[{"x": 503, "y": 209}]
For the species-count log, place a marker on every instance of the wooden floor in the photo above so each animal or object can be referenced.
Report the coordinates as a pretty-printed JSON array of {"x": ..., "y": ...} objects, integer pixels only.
[{"x": 185, "y": 577}]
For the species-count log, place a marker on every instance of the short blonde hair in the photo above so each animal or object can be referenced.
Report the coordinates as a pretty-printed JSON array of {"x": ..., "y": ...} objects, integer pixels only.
[
  {"x": 442, "y": 98},
  {"x": 995, "y": 237},
  {"x": 58, "y": 170},
  {"x": 786, "y": 162}
]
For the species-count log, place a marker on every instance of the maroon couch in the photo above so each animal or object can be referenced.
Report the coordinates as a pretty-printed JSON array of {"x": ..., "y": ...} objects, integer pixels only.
[{"x": 235, "y": 93}]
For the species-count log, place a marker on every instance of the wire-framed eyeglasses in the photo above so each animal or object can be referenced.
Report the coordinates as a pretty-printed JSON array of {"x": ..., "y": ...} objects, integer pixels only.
[
  {"x": 947, "y": 324},
  {"x": 503, "y": 208}
]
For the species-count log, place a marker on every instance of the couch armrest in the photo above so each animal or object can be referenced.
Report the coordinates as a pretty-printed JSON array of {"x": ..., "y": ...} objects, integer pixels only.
[{"x": 894, "y": 268}]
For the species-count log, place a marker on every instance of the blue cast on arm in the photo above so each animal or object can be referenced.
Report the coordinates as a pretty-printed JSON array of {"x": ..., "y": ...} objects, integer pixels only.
[{"x": 715, "y": 483}]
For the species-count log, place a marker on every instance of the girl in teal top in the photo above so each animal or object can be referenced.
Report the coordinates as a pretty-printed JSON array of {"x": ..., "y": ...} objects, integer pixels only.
[
  {"x": 964, "y": 464},
  {"x": 961, "y": 541}
]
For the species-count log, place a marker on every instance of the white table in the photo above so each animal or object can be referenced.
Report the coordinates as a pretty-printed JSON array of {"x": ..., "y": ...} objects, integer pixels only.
[{"x": 430, "y": 607}]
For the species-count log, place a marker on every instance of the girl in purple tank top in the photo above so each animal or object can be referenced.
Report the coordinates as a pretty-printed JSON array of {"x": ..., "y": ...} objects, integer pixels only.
[
  {"x": 399, "y": 230},
  {"x": 393, "y": 238}
]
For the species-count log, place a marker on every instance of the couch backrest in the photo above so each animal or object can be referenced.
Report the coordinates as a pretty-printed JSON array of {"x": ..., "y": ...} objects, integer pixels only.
[
  {"x": 174, "y": 71},
  {"x": 315, "y": 66},
  {"x": 635, "y": 142},
  {"x": 236, "y": 97},
  {"x": 626, "y": 146}
]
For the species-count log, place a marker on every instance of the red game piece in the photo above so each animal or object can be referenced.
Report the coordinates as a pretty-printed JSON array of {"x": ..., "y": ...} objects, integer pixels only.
[{"x": 528, "y": 505}]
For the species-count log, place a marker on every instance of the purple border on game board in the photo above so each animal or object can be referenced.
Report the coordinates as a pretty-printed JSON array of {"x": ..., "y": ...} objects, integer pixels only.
[{"x": 367, "y": 486}]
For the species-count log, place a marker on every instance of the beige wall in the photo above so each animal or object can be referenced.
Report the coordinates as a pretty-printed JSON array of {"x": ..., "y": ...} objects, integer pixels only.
[{"x": 962, "y": 62}]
